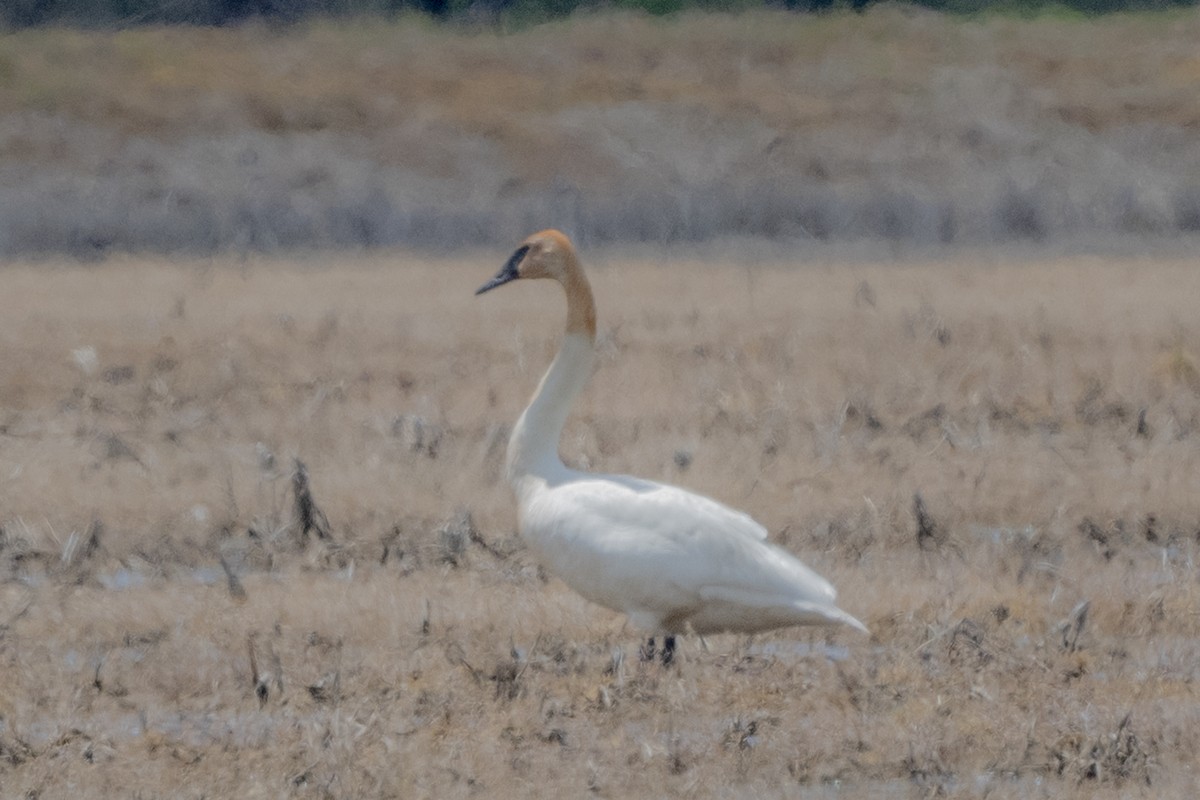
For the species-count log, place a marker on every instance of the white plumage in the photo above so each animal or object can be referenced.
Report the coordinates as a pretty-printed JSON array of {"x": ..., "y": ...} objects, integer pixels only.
[{"x": 668, "y": 558}]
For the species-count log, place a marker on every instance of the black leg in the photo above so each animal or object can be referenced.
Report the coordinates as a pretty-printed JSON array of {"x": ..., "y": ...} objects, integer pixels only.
[
  {"x": 668, "y": 651},
  {"x": 648, "y": 650}
]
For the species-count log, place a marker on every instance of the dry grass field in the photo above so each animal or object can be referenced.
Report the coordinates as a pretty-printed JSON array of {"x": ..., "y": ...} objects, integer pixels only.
[{"x": 168, "y": 629}]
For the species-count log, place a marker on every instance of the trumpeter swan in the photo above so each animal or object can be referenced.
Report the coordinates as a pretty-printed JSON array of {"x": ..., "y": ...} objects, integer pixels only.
[{"x": 668, "y": 558}]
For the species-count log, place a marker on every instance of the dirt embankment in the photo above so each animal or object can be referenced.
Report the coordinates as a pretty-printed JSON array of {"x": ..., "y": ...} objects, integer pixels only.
[{"x": 898, "y": 125}]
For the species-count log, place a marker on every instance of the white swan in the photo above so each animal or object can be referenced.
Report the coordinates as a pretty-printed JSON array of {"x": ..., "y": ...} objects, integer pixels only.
[{"x": 667, "y": 558}]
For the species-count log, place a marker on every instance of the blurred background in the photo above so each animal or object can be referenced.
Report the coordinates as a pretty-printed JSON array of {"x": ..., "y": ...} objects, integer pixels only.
[{"x": 212, "y": 126}]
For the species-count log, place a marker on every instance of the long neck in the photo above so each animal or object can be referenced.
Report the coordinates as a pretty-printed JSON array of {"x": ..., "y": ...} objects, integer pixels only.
[{"x": 533, "y": 448}]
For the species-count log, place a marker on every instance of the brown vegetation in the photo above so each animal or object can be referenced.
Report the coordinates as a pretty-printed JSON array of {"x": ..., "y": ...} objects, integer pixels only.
[
  {"x": 995, "y": 462},
  {"x": 899, "y": 125}
]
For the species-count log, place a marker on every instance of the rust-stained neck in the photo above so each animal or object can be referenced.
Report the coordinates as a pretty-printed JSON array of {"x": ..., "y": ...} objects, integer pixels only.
[
  {"x": 581, "y": 307},
  {"x": 533, "y": 447}
]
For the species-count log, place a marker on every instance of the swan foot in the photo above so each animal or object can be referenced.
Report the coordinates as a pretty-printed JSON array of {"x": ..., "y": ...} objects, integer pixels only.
[{"x": 649, "y": 650}]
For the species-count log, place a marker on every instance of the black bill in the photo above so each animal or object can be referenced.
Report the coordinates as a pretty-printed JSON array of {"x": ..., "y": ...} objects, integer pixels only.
[{"x": 507, "y": 273}]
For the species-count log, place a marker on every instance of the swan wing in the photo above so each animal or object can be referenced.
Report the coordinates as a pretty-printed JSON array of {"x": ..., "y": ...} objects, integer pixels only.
[
  {"x": 626, "y": 501},
  {"x": 695, "y": 542}
]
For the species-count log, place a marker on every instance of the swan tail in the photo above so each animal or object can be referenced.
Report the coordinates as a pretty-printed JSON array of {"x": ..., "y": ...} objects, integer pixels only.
[
  {"x": 737, "y": 608},
  {"x": 832, "y": 615}
]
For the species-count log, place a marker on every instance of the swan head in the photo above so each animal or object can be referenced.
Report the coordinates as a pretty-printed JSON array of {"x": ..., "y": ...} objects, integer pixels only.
[{"x": 546, "y": 254}]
